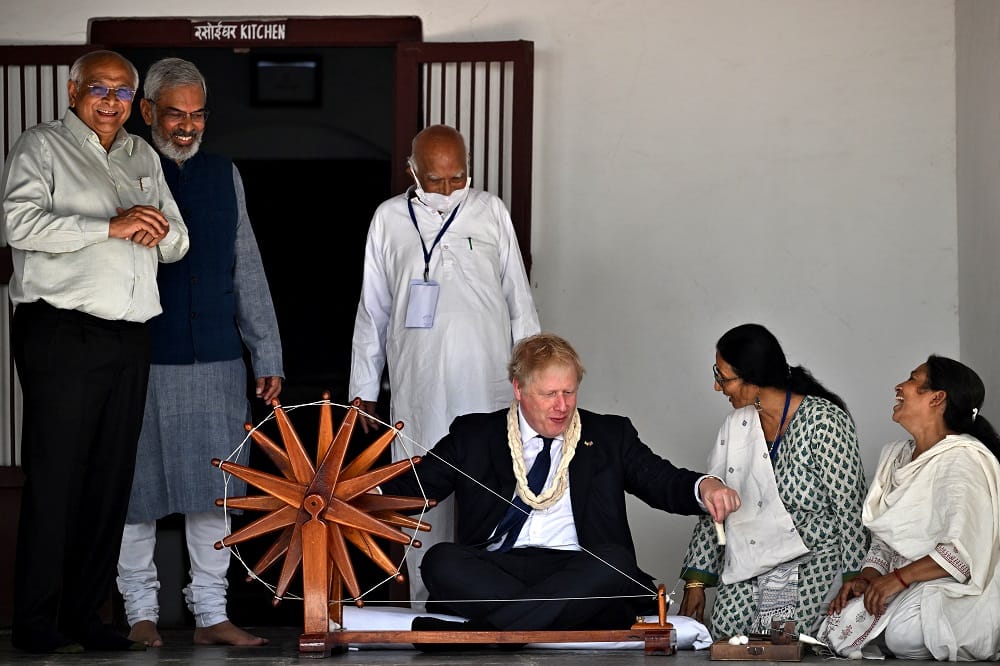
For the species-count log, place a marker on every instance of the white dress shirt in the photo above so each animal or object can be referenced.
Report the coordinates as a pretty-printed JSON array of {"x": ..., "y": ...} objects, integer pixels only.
[{"x": 553, "y": 527}]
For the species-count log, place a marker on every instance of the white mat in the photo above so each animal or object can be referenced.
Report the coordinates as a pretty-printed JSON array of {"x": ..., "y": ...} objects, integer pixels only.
[{"x": 691, "y": 635}]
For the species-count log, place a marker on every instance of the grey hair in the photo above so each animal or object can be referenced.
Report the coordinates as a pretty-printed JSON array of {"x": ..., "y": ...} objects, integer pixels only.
[
  {"x": 76, "y": 70},
  {"x": 170, "y": 73}
]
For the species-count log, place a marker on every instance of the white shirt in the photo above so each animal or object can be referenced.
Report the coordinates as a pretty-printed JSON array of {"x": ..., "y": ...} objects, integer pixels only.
[
  {"x": 60, "y": 191},
  {"x": 553, "y": 527}
]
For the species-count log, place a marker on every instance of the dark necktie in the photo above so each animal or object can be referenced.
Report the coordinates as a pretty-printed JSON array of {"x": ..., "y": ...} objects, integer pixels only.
[{"x": 517, "y": 512}]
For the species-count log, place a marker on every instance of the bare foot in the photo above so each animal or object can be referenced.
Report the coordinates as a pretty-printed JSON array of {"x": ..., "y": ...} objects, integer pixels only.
[
  {"x": 144, "y": 631},
  {"x": 226, "y": 633}
]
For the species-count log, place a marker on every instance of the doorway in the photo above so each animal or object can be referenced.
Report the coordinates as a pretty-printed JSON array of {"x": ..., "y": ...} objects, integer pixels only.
[{"x": 314, "y": 172}]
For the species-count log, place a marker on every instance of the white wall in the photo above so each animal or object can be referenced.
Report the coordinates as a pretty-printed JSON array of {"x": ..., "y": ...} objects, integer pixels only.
[
  {"x": 978, "y": 110},
  {"x": 702, "y": 163}
]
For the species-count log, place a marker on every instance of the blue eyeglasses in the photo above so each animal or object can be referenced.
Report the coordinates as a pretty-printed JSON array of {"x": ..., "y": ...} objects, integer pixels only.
[{"x": 101, "y": 91}]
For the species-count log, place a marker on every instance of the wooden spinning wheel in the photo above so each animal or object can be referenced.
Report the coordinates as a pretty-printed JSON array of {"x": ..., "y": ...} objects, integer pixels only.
[{"x": 319, "y": 508}]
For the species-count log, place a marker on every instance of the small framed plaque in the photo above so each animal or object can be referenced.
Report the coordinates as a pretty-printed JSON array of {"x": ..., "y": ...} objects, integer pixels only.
[{"x": 286, "y": 80}]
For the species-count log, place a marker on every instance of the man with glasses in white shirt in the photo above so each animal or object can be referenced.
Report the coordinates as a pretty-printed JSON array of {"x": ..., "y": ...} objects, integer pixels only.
[{"x": 89, "y": 217}]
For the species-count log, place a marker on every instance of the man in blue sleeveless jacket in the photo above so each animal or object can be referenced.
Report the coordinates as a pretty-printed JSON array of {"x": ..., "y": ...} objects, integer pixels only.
[{"x": 215, "y": 302}]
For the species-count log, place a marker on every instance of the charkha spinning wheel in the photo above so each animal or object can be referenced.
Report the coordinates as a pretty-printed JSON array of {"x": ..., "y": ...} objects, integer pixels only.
[{"x": 318, "y": 508}]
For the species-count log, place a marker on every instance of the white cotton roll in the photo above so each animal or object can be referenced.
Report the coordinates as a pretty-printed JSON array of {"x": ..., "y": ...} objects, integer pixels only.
[{"x": 720, "y": 533}]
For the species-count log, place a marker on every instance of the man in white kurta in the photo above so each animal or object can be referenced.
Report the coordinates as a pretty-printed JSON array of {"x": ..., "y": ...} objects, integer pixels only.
[{"x": 440, "y": 240}]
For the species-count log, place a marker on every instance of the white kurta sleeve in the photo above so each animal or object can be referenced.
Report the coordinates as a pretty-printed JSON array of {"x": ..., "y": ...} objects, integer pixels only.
[
  {"x": 514, "y": 281},
  {"x": 879, "y": 556}
]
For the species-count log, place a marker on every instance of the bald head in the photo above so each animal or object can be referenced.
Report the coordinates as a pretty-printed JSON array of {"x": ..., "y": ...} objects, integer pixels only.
[
  {"x": 435, "y": 136},
  {"x": 439, "y": 159}
]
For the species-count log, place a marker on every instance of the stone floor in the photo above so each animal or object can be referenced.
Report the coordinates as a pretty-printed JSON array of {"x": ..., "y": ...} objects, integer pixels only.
[{"x": 283, "y": 649}]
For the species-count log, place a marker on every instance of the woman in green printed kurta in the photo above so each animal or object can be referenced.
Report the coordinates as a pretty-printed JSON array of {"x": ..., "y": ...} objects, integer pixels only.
[{"x": 790, "y": 449}]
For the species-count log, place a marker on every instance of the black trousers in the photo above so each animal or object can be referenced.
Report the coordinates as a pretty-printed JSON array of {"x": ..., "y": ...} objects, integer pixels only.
[
  {"x": 84, "y": 385},
  {"x": 510, "y": 591}
]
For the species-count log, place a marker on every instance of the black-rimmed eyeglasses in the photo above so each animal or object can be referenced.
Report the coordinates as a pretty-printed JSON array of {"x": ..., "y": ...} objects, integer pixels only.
[
  {"x": 101, "y": 91},
  {"x": 719, "y": 378},
  {"x": 172, "y": 115}
]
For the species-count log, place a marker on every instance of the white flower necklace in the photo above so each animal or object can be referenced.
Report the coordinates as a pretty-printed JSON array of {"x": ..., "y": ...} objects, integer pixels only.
[{"x": 554, "y": 493}]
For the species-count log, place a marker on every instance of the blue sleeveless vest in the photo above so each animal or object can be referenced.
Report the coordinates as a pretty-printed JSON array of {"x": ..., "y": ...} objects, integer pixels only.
[{"x": 199, "y": 303}]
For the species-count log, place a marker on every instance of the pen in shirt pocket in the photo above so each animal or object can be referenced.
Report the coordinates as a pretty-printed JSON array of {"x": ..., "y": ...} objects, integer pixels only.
[{"x": 470, "y": 241}]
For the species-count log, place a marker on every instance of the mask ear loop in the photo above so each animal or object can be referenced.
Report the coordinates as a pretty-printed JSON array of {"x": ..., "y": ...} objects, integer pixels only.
[
  {"x": 417, "y": 192},
  {"x": 413, "y": 173}
]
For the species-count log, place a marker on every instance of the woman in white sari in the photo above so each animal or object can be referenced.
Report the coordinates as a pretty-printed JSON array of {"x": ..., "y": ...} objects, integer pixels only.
[{"x": 929, "y": 587}]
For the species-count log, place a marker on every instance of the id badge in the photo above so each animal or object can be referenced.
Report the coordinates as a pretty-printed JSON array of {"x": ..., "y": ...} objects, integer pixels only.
[{"x": 422, "y": 306}]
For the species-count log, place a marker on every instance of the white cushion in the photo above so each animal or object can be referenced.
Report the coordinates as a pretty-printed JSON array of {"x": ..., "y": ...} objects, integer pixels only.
[{"x": 691, "y": 634}]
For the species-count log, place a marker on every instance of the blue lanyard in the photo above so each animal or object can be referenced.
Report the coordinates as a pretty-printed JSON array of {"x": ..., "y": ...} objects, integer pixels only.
[
  {"x": 777, "y": 437},
  {"x": 427, "y": 253}
]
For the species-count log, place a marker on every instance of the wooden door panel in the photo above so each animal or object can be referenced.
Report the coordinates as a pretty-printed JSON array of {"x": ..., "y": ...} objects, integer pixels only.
[{"x": 485, "y": 89}]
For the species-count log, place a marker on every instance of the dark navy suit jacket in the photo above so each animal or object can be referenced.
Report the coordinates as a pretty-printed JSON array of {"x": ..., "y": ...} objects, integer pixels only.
[{"x": 610, "y": 461}]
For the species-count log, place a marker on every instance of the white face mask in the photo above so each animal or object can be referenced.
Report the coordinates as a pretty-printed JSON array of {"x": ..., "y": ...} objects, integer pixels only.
[{"x": 442, "y": 203}]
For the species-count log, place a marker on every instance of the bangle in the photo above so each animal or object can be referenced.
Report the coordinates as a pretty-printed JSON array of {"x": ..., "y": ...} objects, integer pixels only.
[
  {"x": 900, "y": 578},
  {"x": 693, "y": 585}
]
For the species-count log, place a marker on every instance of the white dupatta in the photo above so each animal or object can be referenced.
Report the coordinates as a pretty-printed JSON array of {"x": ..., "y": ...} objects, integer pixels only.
[
  {"x": 761, "y": 535},
  {"x": 949, "y": 495}
]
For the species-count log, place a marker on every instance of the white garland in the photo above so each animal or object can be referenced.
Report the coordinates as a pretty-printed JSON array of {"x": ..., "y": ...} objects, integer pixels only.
[{"x": 554, "y": 493}]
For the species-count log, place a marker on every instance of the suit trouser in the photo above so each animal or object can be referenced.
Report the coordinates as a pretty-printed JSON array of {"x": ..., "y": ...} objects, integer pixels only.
[
  {"x": 84, "y": 385},
  {"x": 205, "y": 594},
  {"x": 511, "y": 591}
]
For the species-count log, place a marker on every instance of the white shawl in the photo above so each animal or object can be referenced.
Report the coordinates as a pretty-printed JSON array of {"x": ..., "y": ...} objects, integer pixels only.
[
  {"x": 761, "y": 535},
  {"x": 950, "y": 494}
]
